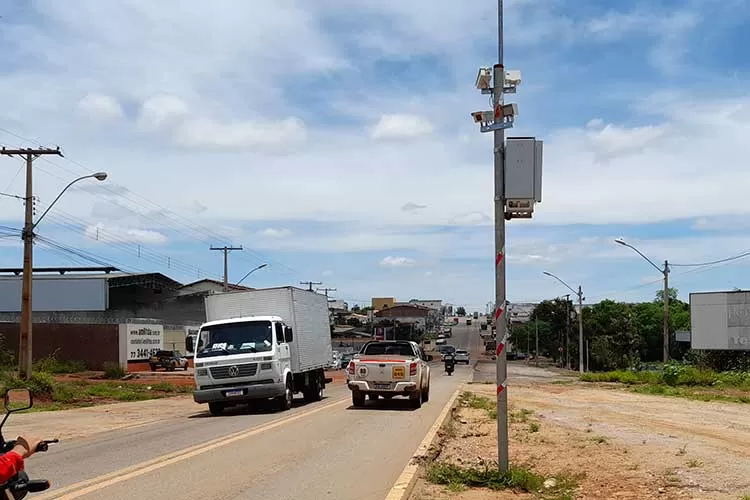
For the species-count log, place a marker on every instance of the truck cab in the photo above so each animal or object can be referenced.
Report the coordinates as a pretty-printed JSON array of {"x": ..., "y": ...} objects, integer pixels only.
[{"x": 241, "y": 359}]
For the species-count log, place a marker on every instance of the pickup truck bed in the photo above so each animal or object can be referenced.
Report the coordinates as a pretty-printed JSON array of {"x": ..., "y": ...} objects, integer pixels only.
[{"x": 387, "y": 369}]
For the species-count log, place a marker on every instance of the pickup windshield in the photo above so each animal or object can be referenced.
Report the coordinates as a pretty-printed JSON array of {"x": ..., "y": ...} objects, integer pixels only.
[
  {"x": 387, "y": 349},
  {"x": 235, "y": 338}
]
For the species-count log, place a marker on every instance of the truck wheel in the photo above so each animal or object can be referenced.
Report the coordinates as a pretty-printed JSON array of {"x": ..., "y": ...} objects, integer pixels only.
[
  {"x": 358, "y": 399},
  {"x": 285, "y": 401},
  {"x": 215, "y": 408},
  {"x": 314, "y": 392}
]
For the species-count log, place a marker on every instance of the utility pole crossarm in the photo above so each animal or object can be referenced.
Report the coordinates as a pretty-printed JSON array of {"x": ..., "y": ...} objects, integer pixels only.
[
  {"x": 326, "y": 290},
  {"x": 226, "y": 251},
  {"x": 310, "y": 284}
]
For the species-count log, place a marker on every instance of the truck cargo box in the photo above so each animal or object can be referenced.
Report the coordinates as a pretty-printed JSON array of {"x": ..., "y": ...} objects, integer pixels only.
[{"x": 304, "y": 311}]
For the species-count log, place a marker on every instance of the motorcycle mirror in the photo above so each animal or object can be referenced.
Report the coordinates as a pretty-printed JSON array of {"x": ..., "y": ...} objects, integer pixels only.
[{"x": 18, "y": 400}]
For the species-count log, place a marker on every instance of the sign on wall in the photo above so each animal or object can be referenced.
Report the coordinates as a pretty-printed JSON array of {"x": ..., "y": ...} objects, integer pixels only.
[{"x": 143, "y": 341}]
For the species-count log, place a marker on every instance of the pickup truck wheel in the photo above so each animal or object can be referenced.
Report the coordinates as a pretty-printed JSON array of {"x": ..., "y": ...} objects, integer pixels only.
[
  {"x": 358, "y": 399},
  {"x": 426, "y": 394},
  {"x": 215, "y": 408},
  {"x": 416, "y": 400}
]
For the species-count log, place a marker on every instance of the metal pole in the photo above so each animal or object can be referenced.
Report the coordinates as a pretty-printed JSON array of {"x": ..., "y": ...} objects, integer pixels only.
[
  {"x": 567, "y": 331},
  {"x": 666, "y": 312},
  {"x": 536, "y": 335},
  {"x": 580, "y": 329},
  {"x": 24, "y": 347},
  {"x": 498, "y": 78}
]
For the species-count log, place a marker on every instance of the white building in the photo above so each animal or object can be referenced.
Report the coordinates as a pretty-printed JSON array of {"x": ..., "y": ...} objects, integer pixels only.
[{"x": 435, "y": 305}]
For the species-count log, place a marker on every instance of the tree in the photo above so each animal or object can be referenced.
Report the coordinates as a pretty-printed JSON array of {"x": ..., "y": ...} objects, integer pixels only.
[
  {"x": 671, "y": 292},
  {"x": 461, "y": 311}
]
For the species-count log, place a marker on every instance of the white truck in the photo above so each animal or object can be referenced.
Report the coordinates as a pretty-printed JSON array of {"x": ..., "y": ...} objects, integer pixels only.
[
  {"x": 262, "y": 344},
  {"x": 387, "y": 369}
]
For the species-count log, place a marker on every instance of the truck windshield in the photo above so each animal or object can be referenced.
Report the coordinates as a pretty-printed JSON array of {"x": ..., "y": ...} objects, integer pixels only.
[{"x": 235, "y": 338}]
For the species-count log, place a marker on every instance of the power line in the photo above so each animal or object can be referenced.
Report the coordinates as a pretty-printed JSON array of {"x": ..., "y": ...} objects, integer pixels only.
[
  {"x": 226, "y": 251},
  {"x": 720, "y": 261}
]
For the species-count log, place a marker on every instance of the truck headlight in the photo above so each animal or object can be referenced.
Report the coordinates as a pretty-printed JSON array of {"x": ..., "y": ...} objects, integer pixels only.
[
  {"x": 202, "y": 372},
  {"x": 265, "y": 366}
]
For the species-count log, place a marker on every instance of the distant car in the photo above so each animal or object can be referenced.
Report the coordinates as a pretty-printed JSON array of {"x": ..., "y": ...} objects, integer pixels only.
[
  {"x": 440, "y": 342},
  {"x": 169, "y": 360},
  {"x": 344, "y": 360},
  {"x": 462, "y": 356}
]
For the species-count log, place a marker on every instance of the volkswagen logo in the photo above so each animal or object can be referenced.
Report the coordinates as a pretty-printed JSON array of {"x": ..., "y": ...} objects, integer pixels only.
[{"x": 234, "y": 371}]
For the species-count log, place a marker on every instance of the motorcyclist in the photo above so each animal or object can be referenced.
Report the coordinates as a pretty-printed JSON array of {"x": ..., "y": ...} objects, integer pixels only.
[
  {"x": 11, "y": 463},
  {"x": 449, "y": 358}
]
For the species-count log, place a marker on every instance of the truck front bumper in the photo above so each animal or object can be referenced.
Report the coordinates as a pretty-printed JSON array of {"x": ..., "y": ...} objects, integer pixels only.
[
  {"x": 239, "y": 392},
  {"x": 398, "y": 387}
]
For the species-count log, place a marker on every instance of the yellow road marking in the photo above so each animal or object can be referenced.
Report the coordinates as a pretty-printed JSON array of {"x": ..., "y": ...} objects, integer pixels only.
[{"x": 82, "y": 488}]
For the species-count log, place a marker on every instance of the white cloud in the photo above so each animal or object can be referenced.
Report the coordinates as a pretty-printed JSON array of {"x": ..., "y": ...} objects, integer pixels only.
[
  {"x": 107, "y": 233},
  {"x": 399, "y": 126},
  {"x": 391, "y": 261},
  {"x": 99, "y": 107},
  {"x": 412, "y": 207},
  {"x": 205, "y": 133},
  {"x": 275, "y": 233},
  {"x": 162, "y": 111},
  {"x": 327, "y": 273}
]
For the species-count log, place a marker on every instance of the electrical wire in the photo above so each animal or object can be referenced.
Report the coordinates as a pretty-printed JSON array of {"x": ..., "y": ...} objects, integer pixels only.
[{"x": 745, "y": 253}]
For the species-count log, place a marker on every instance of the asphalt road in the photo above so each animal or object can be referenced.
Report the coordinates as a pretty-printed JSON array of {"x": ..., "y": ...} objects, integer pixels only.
[{"x": 321, "y": 450}]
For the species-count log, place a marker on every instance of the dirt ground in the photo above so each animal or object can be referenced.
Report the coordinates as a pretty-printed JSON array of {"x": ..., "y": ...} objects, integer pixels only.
[{"x": 626, "y": 445}]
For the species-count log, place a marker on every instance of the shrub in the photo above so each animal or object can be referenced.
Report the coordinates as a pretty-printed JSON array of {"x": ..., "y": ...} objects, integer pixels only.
[
  {"x": 113, "y": 370},
  {"x": 51, "y": 364},
  {"x": 40, "y": 383}
]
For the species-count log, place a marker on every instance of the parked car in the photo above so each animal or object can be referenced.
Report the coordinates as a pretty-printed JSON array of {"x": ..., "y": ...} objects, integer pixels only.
[
  {"x": 462, "y": 356},
  {"x": 169, "y": 360}
]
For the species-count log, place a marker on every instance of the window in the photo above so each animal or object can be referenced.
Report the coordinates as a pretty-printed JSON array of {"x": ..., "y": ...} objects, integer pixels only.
[{"x": 279, "y": 328}]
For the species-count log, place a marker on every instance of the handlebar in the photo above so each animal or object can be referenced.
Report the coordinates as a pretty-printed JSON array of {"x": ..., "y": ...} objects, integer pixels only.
[{"x": 44, "y": 445}]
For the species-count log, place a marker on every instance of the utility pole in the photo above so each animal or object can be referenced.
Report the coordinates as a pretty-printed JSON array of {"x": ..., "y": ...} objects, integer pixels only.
[
  {"x": 310, "y": 284},
  {"x": 580, "y": 329},
  {"x": 326, "y": 290},
  {"x": 536, "y": 334},
  {"x": 665, "y": 354},
  {"x": 501, "y": 359},
  {"x": 567, "y": 331},
  {"x": 226, "y": 251},
  {"x": 25, "y": 339}
]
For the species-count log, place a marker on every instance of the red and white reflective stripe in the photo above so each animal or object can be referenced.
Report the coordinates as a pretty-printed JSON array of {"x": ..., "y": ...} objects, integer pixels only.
[
  {"x": 500, "y": 348},
  {"x": 502, "y": 387}
]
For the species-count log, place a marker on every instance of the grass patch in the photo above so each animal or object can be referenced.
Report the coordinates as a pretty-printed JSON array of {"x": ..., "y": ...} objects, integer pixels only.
[
  {"x": 487, "y": 475},
  {"x": 470, "y": 400},
  {"x": 563, "y": 382},
  {"x": 534, "y": 427},
  {"x": 599, "y": 439},
  {"x": 50, "y": 394},
  {"x": 674, "y": 376},
  {"x": 521, "y": 416},
  {"x": 51, "y": 364},
  {"x": 694, "y": 393},
  {"x": 694, "y": 463}
]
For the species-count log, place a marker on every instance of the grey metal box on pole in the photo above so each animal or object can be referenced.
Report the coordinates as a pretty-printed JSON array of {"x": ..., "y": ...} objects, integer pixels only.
[{"x": 523, "y": 175}]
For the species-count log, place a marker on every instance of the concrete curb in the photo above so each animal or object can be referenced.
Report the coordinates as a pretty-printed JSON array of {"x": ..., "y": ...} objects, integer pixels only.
[{"x": 406, "y": 481}]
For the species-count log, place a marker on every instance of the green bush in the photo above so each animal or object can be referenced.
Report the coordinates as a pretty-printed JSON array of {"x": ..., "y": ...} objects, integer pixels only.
[
  {"x": 51, "y": 364},
  {"x": 40, "y": 383},
  {"x": 113, "y": 370}
]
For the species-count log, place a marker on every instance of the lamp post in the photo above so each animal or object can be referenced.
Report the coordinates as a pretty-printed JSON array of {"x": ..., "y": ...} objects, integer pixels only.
[
  {"x": 665, "y": 272},
  {"x": 24, "y": 345},
  {"x": 579, "y": 294},
  {"x": 251, "y": 272}
]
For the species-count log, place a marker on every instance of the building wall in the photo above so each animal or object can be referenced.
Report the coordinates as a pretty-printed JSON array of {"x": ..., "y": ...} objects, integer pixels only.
[
  {"x": 201, "y": 287},
  {"x": 403, "y": 312},
  {"x": 436, "y": 305},
  {"x": 95, "y": 344},
  {"x": 380, "y": 303}
]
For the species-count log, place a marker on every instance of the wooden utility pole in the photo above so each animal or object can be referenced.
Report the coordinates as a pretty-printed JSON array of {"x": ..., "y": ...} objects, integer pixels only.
[
  {"x": 24, "y": 341},
  {"x": 226, "y": 251},
  {"x": 310, "y": 284},
  {"x": 326, "y": 290}
]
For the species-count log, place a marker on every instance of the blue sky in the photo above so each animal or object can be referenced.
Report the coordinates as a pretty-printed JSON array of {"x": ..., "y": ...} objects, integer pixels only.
[{"x": 332, "y": 139}]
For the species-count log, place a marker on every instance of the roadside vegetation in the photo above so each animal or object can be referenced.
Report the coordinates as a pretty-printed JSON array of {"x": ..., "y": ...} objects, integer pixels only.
[
  {"x": 52, "y": 393},
  {"x": 681, "y": 380}
]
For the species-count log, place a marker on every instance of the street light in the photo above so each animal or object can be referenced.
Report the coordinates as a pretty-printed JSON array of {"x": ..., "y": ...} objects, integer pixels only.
[
  {"x": 251, "y": 272},
  {"x": 665, "y": 272},
  {"x": 578, "y": 293},
  {"x": 24, "y": 345}
]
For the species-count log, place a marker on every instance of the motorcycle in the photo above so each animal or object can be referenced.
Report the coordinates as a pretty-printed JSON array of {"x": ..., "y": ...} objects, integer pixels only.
[
  {"x": 20, "y": 485},
  {"x": 450, "y": 364}
]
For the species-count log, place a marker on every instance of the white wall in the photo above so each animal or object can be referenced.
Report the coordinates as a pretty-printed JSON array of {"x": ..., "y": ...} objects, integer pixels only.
[{"x": 720, "y": 321}]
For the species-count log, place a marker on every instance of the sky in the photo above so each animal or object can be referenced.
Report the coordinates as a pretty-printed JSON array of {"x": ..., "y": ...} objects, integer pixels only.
[{"x": 332, "y": 140}]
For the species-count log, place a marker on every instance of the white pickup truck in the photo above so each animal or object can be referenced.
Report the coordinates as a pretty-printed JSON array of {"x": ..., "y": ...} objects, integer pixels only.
[{"x": 390, "y": 368}]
